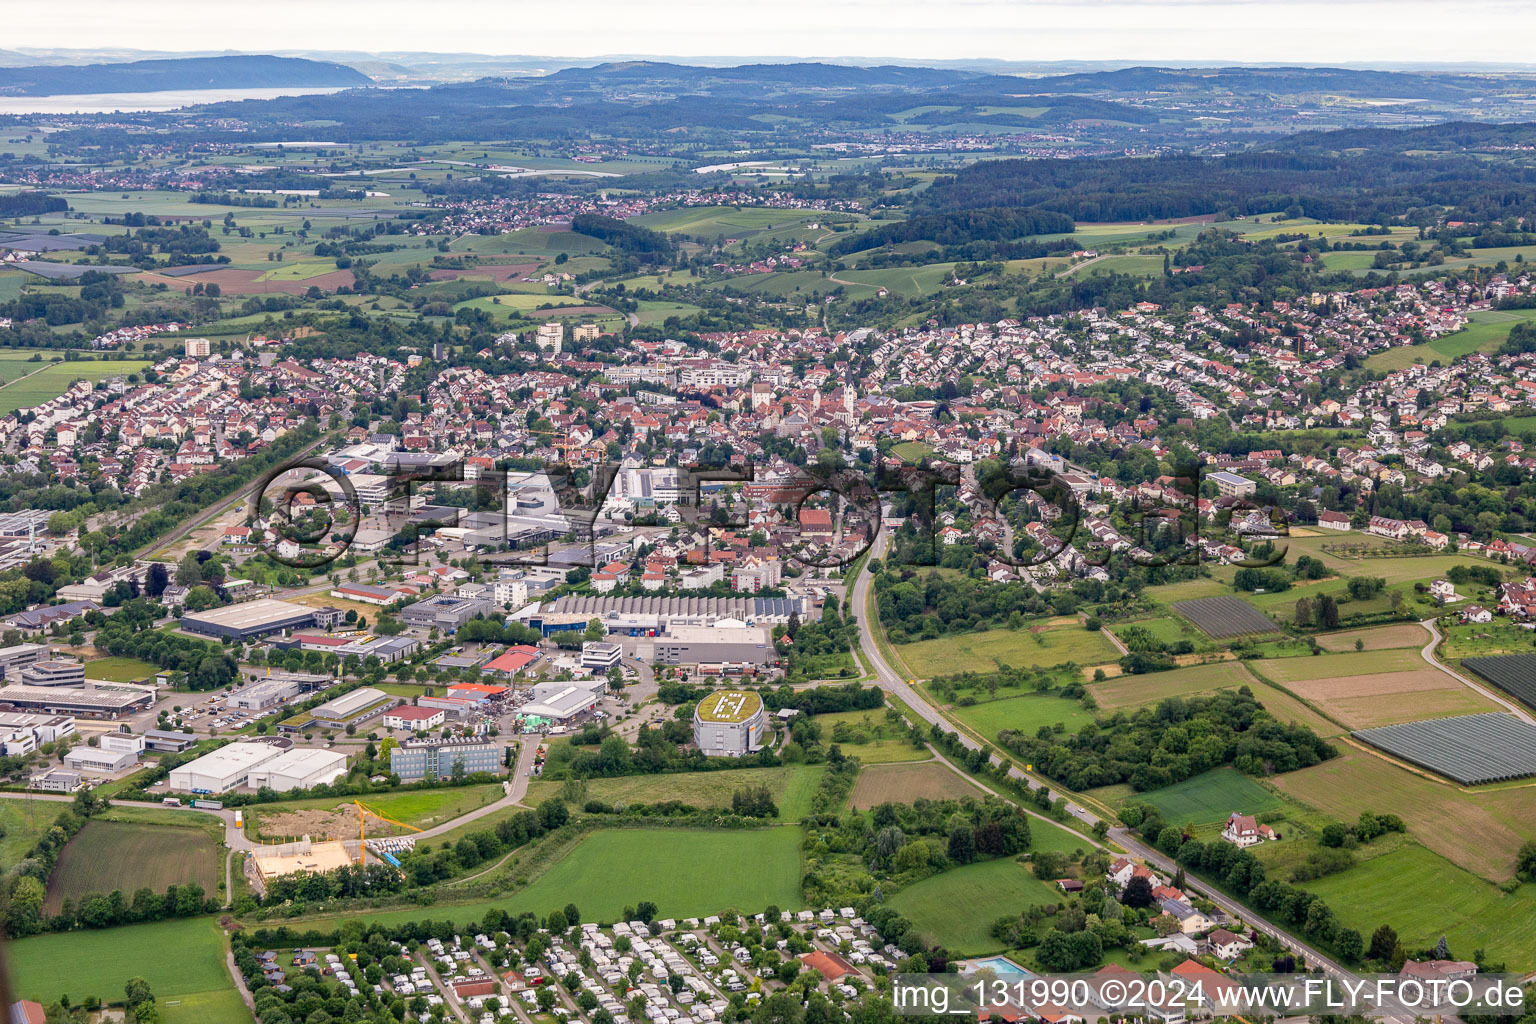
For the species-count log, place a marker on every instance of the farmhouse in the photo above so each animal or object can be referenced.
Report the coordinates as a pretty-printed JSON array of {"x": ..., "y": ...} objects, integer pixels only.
[{"x": 1243, "y": 830}]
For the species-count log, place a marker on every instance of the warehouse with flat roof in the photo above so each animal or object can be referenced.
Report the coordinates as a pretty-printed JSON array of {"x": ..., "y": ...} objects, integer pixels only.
[
  {"x": 247, "y": 620},
  {"x": 352, "y": 707},
  {"x": 725, "y": 645},
  {"x": 90, "y": 701},
  {"x": 299, "y": 768},
  {"x": 222, "y": 770}
]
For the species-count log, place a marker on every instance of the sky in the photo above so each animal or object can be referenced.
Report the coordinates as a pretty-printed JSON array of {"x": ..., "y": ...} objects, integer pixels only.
[{"x": 1340, "y": 32}]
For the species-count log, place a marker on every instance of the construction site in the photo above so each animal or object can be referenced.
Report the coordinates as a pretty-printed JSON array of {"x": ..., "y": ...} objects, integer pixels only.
[{"x": 308, "y": 856}]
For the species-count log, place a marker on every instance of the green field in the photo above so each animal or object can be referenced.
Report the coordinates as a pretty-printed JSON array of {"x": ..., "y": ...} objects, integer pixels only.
[
  {"x": 956, "y": 909},
  {"x": 1015, "y": 648},
  {"x": 1026, "y": 713},
  {"x": 120, "y": 670},
  {"x": 1424, "y": 896},
  {"x": 108, "y": 855},
  {"x": 1210, "y": 797},
  {"x": 685, "y": 872},
  {"x": 51, "y": 381},
  {"x": 182, "y": 960},
  {"x": 792, "y": 788},
  {"x": 24, "y": 822},
  {"x": 1487, "y": 331},
  {"x": 298, "y": 271}
]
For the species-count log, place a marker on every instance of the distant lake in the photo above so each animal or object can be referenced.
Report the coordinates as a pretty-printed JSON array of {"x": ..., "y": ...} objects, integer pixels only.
[{"x": 109, "y": 102}]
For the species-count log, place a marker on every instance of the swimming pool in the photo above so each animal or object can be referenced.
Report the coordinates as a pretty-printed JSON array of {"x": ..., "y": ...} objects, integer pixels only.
[{"x": 998, "y": 965}]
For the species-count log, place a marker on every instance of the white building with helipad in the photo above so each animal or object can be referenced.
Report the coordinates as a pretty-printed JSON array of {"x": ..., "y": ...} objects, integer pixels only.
[{"x": 730, "y": 723}]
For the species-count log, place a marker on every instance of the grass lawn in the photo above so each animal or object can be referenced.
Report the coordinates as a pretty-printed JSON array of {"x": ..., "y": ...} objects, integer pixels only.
[
  {"x": 685, "y": 872},
  {"x": 182, "y": 959},
  {"x": 792, "y": 788},
  {"x": 120, "y": 670},
  {"x": 1026, "y": 713},
  {"x": 1210, "y": 797},
  {"x": 108, "y": 855},
  {"x": 1424, "y": 896},
  {"x": 1015, "y": 648},
  {"x": 1169, "y": 629},
  {"x": 956, "y": 909}
]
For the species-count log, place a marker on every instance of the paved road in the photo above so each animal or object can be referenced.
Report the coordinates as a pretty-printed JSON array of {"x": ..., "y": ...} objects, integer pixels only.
[
  {"x": 1428, "y": 654},
  {"x": 893, "y": 683}
]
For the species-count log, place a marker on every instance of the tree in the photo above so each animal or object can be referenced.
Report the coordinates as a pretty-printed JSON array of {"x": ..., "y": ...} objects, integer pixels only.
[
  {"x": 157, "y": 580},
  {"x": 595, "y": 631},
  {"x": 962, "y": 844},
  {"x": 1328, "y": 612},
  {"x": 1525, "y": 861},
  {"x": 1348, "y": 944},
  {"x": 1138, "y": 893},
  {"x": 1383, "y": 943},
  {"x": 1303, "y": 614}
]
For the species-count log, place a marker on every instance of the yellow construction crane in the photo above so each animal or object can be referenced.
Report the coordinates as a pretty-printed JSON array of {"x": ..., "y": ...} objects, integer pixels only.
[{"x": 362, "y": 827}]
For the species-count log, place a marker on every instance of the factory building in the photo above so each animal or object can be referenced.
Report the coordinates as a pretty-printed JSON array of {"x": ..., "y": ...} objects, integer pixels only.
[
  {"x": 353, "y": 707},
  {"x": 222, "y": 770},
  {"x": 644, "y": 616},
  {"x": 118, "y": 750},
  {"x": 248, "y": 620},
  {"x": 299, "y": 768},
  {"x": 444, "y": 612},
  {"x": 717, "y": 645},
  {"x": 730, "y": 723},
  {"x": 415, "y": 760},
  {"x": 264, "y": 694},
  {"x": 94, "y": 700},
  {"x": 563, "y": 701}
]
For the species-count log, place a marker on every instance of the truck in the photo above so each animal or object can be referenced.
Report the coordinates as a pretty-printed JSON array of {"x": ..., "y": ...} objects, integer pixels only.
[
  {"x": 208, "y": 805},
  {"x": 171, "y": 801},
  {"x": 239, "y": 818}
]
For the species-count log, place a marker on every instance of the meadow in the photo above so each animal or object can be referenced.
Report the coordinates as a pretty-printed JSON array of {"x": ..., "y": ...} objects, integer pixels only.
[
  {"x": 182, "y": 960},
  {"x": 1026, "y": 713},
  {"x": 51, "y": 381},
  {"x": 1014, "y": 648},
  {"x": 108, "y": 855},
  {"x": 120, "y": 670},
  {"x": 792, "y": 788},
  {"x": 956, "y": 908},
  {"x": 685, "y": 872},
  {"x": 862, "y": 741},
  {"x": 1480, "y": 829},
  {"x": 1424, "y": 896},
  {"x": 905, "y": 783},
  {"x": 1210, "y": 797},
  {"x": 1488, "y": 329}
]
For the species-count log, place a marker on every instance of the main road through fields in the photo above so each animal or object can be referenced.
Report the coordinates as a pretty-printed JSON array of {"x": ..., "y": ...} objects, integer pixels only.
[{"x": 901, "y": 688}]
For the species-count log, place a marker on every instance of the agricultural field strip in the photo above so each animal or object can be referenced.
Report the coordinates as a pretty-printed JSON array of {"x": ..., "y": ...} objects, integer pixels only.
[{"x": 1472, "y": 749}]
